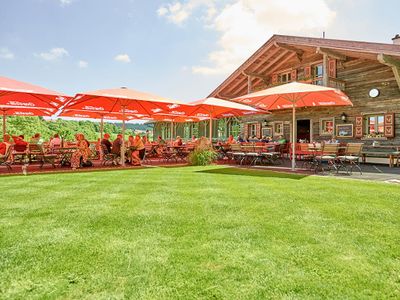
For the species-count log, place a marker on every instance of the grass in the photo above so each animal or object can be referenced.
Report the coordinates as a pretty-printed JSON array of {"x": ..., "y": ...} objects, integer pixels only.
[{"x": 197, "y": 233}]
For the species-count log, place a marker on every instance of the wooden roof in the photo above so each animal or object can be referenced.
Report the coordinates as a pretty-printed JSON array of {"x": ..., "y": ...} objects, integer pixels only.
[{"x": 282, "y": 51}]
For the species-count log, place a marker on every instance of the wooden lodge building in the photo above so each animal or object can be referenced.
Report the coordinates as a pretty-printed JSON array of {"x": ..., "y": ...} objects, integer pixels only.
[{"x": 369, "y": 73}]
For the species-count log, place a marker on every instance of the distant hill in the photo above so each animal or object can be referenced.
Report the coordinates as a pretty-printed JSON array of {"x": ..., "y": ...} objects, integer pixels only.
[{"x": 28, "y": 126}]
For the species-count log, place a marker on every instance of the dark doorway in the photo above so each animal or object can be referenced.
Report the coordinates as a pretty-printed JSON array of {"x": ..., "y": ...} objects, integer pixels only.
[{"x": 303, "y": 130}]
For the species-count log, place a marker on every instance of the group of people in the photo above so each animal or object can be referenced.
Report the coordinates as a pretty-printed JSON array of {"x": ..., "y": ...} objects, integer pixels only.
[{"x": 135, "y": 147}]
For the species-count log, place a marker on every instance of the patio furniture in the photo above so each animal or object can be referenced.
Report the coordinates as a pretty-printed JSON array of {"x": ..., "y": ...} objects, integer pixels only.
[
  {"x": 392, "y": 152},
  {"x": 5, "y": 160},
  {"x": 328, "y": 156},
  {"x": 107, "y": 157},
  {"x": 236, "y": 153},
  {"x": 36, "y": 154},
  {"x": 64, "y": 155},
  {"x": 352, "y": 157},
  {"x": 19, "y": 153}
]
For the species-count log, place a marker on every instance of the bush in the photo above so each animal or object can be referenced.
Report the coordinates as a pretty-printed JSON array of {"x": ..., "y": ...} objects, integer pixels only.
[{"x": 202, "y": 157}]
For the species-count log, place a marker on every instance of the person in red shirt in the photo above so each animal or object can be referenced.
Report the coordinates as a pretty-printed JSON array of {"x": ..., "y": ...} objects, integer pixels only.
[
  {"x": 5, "y": 144},
  {"x": 20, "y": 144}
]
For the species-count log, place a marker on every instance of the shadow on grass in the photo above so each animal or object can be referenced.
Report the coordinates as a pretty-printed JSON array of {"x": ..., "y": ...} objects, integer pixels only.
[{"x": 256, "y": 173}]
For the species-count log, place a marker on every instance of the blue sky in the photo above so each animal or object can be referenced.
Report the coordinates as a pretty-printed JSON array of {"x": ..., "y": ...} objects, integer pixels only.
[{"x": 177, "y": 49}]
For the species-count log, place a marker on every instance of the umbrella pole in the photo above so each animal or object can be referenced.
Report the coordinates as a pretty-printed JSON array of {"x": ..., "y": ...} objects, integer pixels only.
[
  {"x": 293, "y": 138},
  {"x": 4, "y": 124},
  {"x": 172, "y": 131},
  {"x": 211, "y": 130},
  {"x": 101, "y": 127},
  {"x": 123, "y": 137}
]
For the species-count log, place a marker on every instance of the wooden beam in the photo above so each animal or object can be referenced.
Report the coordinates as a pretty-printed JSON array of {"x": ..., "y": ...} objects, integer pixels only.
[
  {"x": 299, "y": 52},
  {"x": 249, "y": 84},
  {"x": 392, "y": 62},
  {"x": 263, "y": 77},
  {"x": 325, "y": 78},
  {"x": 331, "y": 53}
]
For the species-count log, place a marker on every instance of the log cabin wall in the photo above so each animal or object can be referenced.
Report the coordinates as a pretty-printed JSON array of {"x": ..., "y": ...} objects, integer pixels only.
[{"x": 359, "y": 76}]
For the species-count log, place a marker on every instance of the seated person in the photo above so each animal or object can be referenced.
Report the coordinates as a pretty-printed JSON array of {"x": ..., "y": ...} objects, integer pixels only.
[
  {"x": 231, "y": 140},
  {"x": 178, "y": 141},
  {"x": 333, "y": 140},
  {"x": 20, "y": 144},
  {"x": 253, "y": 139},
  {"x": 265, "y": 139},
  {"x": 4, "y": 145},
  {"x": 138, "y": 151},
  {"x": 116, "y": 146},
  {"x": 145, "y": 140},
  {"x": 240, "y": 139},
  {"x": 36, "y": 139},
  {"x": 281, "y": 140},
  {"x": 55, "y": 142},
  {"x": 106, "y": 143},
  {"x": 82, "y": 152},
  {"x": 194, "y": 139},
  {"x": 160, "y": 141}
]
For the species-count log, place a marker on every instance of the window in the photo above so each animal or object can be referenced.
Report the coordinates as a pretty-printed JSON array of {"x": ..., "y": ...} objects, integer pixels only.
[
  {"x": 375, "y": 125},
  {"x": 252, "y": 129},
  {"x": 327, "y": 126},
  {"x": 267, "y": 132},
  {"x": 278, "y": 128},
  {"x": 318, "y": 73},
  {"x": 285, "y": 77}
]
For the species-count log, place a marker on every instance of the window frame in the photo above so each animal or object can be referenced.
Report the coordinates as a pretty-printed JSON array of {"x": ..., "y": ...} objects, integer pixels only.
[
  {"x": 277, "y": 133},
  {"x": 376, "y": 125},
  {"x": 321, "y": 126}
]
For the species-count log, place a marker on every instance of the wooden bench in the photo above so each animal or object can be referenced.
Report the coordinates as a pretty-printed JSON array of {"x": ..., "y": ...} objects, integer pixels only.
[{"x": 393, "y": 155}]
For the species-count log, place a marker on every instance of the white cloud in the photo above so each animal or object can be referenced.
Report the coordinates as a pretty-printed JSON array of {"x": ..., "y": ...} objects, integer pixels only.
[
  {"x": 65, "y": 2},
  {"x": 122, "y": 58},
  {"x": 53, "y": 54},
  {"x": 83, "y": 64},
  {"x": 244, "y": 25},
  {"x": 178, "y": 12},
  {"x": 5, "y": 53}
]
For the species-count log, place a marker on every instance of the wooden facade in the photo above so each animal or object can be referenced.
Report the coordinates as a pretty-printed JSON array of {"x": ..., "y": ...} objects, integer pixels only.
[{"x": 369, "y": 73}]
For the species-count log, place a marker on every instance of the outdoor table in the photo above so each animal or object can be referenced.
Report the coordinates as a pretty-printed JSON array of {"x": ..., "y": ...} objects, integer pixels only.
[
  {"x": 392, "y": 155},
  {"x": 65, "y": 154}
]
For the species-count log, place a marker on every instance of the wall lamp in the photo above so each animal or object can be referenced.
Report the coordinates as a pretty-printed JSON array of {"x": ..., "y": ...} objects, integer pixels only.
[{"x": 343, "y": 117}]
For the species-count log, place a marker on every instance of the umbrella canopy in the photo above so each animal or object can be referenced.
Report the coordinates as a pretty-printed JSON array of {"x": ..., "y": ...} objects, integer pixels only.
[
  {"x": 15, "y": 93},
  {"x": 214, "y": 108},
  {"x": 25, "y": 99},
  {"x": 299, "y": 94},
  {"x": 219, "y": 108},
  {"x": 294, "y": 95},
  {"x": 121, "y": 102},
  {"x": 94, "y": 115}
]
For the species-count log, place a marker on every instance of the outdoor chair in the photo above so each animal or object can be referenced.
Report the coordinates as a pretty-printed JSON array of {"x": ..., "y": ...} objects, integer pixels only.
[
  {"x": 19, "y": 153},
  {"x": 328, "y": 156},
  {"x": 352, "y": 157},
  {"x": 271, "y": 154},
  {"x": 107, "y": 157},
  {"x": 236, "y": 153},
  {"x": 36, "y": 154},
  {"x": 5, "y": 160}
]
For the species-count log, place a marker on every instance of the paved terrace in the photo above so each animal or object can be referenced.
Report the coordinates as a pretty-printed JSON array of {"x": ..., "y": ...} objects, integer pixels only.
[{"x": 376, "y": 172}]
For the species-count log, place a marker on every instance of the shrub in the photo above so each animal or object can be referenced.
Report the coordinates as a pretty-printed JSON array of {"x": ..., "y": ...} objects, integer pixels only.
[{"x": 201, "y": 157}]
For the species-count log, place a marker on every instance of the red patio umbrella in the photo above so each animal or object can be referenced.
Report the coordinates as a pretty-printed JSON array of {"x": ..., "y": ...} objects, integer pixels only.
[
  {"x": 25, "y": 99},
  {"x": 294, "y": 95},
  {"x": 123, "y": 101},
  {"x": 214, "y": 108}
]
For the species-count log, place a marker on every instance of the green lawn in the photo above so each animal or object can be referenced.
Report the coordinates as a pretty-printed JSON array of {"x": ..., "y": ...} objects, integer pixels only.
[{"x": 197, "y": 233}]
